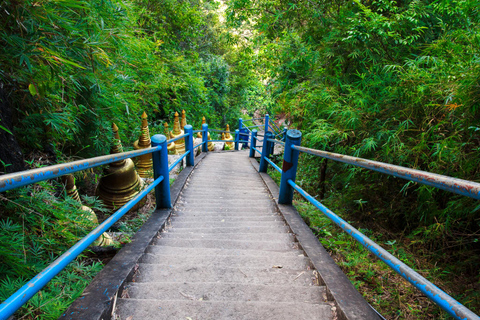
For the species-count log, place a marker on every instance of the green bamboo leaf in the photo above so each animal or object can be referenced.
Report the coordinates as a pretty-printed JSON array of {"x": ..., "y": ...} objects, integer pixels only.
[{"x": 32, "y": 89}]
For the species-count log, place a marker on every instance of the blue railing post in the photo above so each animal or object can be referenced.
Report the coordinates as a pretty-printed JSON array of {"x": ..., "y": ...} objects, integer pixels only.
[
  {"x": 160, "y": 168},
  {"x": 237, "y": 138},
  {"x": 188, "y": 129},
  {"x": 289, "y": 169},
  {"x": 285, "y": 129},
  {"x": 205, "y": 137},
  {"x": 253, "y": 143},
  {"x": 267, "y": 119},
  {"x": 266, "y": 151},
  {"x": 243, "y": 133}
]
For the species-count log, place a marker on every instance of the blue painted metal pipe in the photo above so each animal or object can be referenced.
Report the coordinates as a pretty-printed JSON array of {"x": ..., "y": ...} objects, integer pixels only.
[
  {"x": 266, "y": 151},
  {"x": 277, "y": 141},
  {"x": 253, "y": 143},
  {"x": 178, "y": 138},
  {"x": 463, "y": 187},
  {"x": 205, "y": 137},
  {"x": 178, "y": 160},
  {"x": 19, "y": 298},
  {"x": 267, "y": 119},
  {"x": 289, "y": 167},
  {"x": 198, "y": 145},
  {"x": 273, "y": 165},
  {"x": 259, "y": 152},
  {"x": 160, "y": 169},
  {"x": 23, "y": 178},
  {"x": 453, "y": 307},
  {"x": 188, "y": 129}
]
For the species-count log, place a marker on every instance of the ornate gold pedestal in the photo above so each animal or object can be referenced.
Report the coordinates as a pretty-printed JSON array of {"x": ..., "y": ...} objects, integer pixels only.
[
  {"x": 120, "y": 182},
  {"x": 144, "y": 162},
  {"x": 71, "y": 189}
]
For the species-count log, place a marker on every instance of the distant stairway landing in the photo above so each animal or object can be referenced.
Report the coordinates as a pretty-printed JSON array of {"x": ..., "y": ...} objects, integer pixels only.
[{"x": 227, "y": 254}]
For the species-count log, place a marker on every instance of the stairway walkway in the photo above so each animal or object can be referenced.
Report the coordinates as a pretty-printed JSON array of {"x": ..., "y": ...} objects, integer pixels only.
[{"x": 226, "y": 254}]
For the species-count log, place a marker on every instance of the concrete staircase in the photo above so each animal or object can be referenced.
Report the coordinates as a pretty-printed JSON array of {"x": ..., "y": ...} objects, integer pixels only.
[{"x": 226, "y": 254}]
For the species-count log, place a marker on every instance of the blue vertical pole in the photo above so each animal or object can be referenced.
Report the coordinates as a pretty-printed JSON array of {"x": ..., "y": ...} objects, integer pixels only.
[
  {"x": 253, "y": 143},
  {"x": 267, "y": 119},
  {"x": 188, "y": 129},
  {"x": 289, "y": 169},
  {"x": 284, "y": 133},
  {"x": 205, "y": 137},
  {"x": 243, "y": 133},
  {"x": 160, "y": 168},
  {"x": 266, "y": 150},
  {"x": 237, "y": 137}
]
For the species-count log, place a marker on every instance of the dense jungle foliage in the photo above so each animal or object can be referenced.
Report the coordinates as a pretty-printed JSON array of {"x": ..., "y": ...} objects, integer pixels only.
[{"x": 393, "y": 81}]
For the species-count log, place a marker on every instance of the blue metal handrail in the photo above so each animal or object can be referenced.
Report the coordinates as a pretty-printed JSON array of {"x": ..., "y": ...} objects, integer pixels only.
[
  {"x": 23, "y": 178},
  {"x": 161, "y": 184},
  {"x": 467, "y": 188},
  {"x": 288, "y": 185}
]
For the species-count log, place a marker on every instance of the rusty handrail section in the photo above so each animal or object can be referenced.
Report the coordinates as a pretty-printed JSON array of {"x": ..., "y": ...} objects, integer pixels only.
[{"x": 464, "y": 187}]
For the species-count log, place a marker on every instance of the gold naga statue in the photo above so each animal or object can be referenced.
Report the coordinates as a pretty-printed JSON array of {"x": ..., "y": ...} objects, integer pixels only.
[
  {"x": 120, "y": 181},
  {"x": 168, "y": 134},
  {"x": 72, "y": 192},
  {"x": 144, "y": 162},
  {"x": 211, "y": 145},
  {"x": 229, "y": 137}
]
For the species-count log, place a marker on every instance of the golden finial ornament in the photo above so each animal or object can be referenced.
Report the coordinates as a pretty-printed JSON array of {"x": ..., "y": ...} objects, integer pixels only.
[
  {"x": 120, "y": 181},
  {"x": 211, "y": 145},
  {"x": 229, "y": 137},
  {"x": 69, "y": 181},
  {"x": 144, "y": 162},
  {"x": 177, "y": 131},
  {"x": 72, "y": 192},
  {"x": 184, "y": 119},
  {"x": 168, "y": 134}
]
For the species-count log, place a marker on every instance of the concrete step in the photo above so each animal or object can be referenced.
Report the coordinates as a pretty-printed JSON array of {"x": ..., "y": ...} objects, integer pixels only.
[
  {"x": 222, "y": 201},
  {"x": 185, "y": 251},
  {"x": 200, "y": 274},
  {"x": 212, "y": 291},
  {"x": 225, "y": 223},
  {"x": 179, "y": 217},
  {"x": 236, "y": 236},
  {"x": 226, "y": 244},
  {"x": 149, "y": 309},
  {"x": 231, "y": 230},
  {"x": 225, "y": 214},
  {"x": 245, "y": 209},
  {"x": 206, "y": 196},
  {"x": 227, "y": 261}
]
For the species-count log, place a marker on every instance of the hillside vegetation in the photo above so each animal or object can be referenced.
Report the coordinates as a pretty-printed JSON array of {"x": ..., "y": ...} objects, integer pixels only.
[{"x": 392, "y": 81}]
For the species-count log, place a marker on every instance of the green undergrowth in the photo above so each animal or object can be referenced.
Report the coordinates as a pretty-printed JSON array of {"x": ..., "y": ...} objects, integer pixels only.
[
  {"x": 390, "y": 294},
  {"x": 38, "y": 225}
]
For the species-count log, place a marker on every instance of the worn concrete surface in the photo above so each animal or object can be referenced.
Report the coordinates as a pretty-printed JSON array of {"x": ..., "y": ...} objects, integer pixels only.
[{"x": 225, "y": 254}]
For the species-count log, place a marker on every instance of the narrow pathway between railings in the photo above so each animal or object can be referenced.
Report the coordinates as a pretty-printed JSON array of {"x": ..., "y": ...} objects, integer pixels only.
[{"x": 226, "y": 254}]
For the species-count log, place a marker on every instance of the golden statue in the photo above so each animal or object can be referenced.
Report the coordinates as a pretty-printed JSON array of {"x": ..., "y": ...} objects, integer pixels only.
[
  {"x": 211, "y": 145},
  {"x": 144, "y": 162},
  {"x": 120, "y": 182},
  {"x": 71, "y": 189},
  {"x": 168, "y": 134},
  {"x": 231, "y": 145},
  {"x": 177, "y": 131}
]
